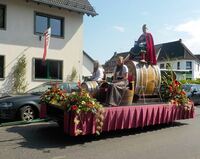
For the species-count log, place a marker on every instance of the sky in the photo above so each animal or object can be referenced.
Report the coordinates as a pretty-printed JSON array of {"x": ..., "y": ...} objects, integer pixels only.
[{"x": 118, "y": 25}]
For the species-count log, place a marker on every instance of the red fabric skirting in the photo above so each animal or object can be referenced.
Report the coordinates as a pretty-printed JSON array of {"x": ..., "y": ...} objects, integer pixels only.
[
  {"x": 43, "y": 111},
  {"x": 126, "y": 117}
]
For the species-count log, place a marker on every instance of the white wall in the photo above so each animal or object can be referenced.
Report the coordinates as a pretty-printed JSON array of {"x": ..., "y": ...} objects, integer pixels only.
[
  {"x": 88, "y": 66},
  {"x": 195, "y": 71},
  {"x": 19, "y": 35}
]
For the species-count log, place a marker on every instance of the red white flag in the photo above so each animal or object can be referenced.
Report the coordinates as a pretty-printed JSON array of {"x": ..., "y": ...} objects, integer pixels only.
[{"x": 47, "y": 35}]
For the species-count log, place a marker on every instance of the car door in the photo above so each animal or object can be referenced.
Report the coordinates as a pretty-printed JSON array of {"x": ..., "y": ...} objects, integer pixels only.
[
  {"x": 198, "y": 94},
  {"x": 194, "y": 94}
]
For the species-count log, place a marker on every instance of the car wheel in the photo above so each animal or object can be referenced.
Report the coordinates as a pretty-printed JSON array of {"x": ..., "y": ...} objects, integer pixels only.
[{"x": 27, "y": 113}]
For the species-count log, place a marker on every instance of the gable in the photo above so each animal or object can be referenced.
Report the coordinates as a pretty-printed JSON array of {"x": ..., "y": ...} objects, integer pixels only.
[{"x": 173, "y": 51}]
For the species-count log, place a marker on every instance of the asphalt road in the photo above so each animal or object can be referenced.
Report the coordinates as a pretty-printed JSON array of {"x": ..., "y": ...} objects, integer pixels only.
[{"x": 46, "y": 141}]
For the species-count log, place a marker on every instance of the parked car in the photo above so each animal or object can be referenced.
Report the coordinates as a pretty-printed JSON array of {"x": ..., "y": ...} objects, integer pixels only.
[
  {"x": 193, "y": 92},
  {"x": 26, "y": 107}
]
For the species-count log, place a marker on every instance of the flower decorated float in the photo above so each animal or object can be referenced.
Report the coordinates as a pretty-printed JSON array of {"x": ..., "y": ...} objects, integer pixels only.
[{"x": 79, "y": 113}]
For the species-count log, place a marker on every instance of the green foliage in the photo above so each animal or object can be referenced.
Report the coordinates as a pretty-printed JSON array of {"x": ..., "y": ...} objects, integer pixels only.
[
  {"x": 197, "y": 81},
  {"x": 73, "y": 75},
  {"x": 54, "y": 95},
  {"x": 172, "y": 91},
  {"x": 19, "y": 81}
]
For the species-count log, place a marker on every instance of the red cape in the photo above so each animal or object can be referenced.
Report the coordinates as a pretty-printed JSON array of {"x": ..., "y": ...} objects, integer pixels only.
[{"x": 151, "y": 53}]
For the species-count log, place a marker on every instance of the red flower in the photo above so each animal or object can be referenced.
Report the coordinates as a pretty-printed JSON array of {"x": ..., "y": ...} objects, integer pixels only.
[
  {"x": 177, "y": 83},
  {"x": 170, "y": 89},
  {"x": 74, "y": 107}
]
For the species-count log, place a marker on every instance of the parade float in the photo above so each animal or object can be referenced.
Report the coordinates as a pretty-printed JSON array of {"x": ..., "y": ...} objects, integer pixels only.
[{"x": 85, "y": 111}]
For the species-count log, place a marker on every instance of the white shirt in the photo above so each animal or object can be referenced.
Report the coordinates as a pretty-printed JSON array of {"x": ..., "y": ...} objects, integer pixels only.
[
  {"x": 124, "y": 70},
  {"x": 98, "y": 75}
]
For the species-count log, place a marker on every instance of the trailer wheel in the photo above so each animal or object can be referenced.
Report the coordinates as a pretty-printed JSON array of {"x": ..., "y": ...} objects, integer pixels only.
[{"x": 27, "y": 113}]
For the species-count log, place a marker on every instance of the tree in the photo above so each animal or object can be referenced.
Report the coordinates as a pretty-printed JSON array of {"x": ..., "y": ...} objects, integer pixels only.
[
  {"x": 73, "y": 75},
  {"x": 19, "y": 81}
]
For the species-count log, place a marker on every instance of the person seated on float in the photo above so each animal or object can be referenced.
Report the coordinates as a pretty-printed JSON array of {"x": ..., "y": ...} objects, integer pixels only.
[
  {"x": 98, "y": 72},
  {"x": 120, "y": 82},
  {"x": 144, "y": 47}
]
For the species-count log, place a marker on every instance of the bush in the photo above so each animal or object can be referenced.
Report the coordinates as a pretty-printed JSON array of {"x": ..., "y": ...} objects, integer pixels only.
[
  {"x": 197, "y": 81},
  {"x": 19, "y": 83}
]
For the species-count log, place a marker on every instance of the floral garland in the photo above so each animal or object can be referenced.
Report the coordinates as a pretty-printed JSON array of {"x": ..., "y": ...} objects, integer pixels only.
[
  {"x": 78, "y": 102},
  {"x": 82, "y": 102},
  {"x": 54, "y": 95}
]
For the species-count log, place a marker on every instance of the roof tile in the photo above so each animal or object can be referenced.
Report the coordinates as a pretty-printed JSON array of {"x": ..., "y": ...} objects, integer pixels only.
[{"x": 82, "y": 6}]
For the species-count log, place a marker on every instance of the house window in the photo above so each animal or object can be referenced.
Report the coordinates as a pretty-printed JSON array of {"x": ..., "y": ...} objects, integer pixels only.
[
  {"x": 162, "y": 65},
  {"x": 2, "y": 17},
  {"x": 43, "y": 21},
  {"x": 168, "y": 65},
  {"x": 2, "y": 66},
  {"x": 52, "y": 69},
  {"x": 188, "y": 65},
  {"x": 178, "y": 65}
]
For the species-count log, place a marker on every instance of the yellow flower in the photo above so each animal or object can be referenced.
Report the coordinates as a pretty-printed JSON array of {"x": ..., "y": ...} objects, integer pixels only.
[
  {"x": 78, "y": 132},
  {"x": 83, "y": 102},
  {"x": 93, "y": 103},
  {"x": 87, "y": 95},
  {"x": 76, "y": 121}
]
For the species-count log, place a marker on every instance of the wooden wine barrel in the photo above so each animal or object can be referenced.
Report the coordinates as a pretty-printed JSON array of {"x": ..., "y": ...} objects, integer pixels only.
[
  {"x": 147, "y": 77},
  {"x": 127, "y": 98},
  {"x": 90, "y": 86}
]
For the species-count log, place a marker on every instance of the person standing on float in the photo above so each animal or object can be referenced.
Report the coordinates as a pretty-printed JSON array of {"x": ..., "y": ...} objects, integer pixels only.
[{"x": 145, "y": 47}]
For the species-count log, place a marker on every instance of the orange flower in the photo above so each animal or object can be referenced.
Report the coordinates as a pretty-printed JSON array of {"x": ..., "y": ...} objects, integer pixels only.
[
  {"x": 183, "y": 93},
  {"x": 89, "y": 104}
]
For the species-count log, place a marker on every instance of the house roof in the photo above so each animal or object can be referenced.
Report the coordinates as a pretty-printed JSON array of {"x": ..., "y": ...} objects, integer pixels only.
[
  {"x": 123, "y": 54},
  {"x": 175, "y": 50},
  {"x": 88, "y": 56},
  {"x": 82, "y": 6},
  {"x": 108, "y": 67},
  {"x": 197, "y": 56}
]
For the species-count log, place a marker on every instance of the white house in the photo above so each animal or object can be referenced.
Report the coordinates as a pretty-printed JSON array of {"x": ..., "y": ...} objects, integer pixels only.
[
  {"x": 88, "y": 65},
  {"x": 174, "y": 54},
  {"x": 177, "y": 56},
  {"x": 22, "y": 24}
]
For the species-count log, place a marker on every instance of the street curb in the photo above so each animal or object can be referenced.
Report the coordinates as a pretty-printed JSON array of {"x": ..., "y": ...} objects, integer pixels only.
[{"x": 23, "y": 122}]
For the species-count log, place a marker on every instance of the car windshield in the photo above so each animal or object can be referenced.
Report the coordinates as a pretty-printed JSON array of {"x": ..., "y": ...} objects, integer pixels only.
[
  {"x": 40, "y": 89},
  {"x": 68, "y": 87},
  {"x": 188, "y": 88}
]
